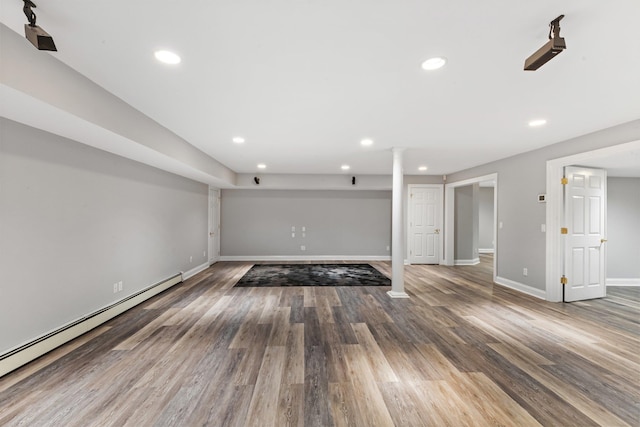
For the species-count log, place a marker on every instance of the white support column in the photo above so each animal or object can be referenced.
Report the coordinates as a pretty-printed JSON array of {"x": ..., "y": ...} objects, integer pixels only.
[{"x": 397, "y": 235}]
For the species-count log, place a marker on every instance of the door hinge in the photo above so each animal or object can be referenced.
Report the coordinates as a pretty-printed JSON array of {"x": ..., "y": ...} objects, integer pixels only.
[
  {"x": 563, "y": 280},
  {"x": 564, "y": 180},
  {"x": 564, "y": 230}
]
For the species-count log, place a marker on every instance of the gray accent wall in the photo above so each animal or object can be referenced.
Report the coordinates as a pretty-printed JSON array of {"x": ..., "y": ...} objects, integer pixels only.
[
  {"x": 466, "y": 223},
  {"x": 485, "y": 219},
  {"x": 74, "y": 220},
  {"x": 623, "y": 228},
  {"x": 520, "y": 179},
  {"x": 258, "y": 223}
]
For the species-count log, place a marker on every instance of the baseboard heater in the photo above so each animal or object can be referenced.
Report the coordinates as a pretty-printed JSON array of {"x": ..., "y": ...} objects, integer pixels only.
[{"x": 32, "y": 350}]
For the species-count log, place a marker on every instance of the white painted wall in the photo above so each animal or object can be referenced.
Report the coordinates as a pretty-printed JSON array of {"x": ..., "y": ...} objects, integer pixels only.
[
  {"x": 623, "y": 228},
  {"x": 74, "y": 220},
  {"x": 257, "y": 223}
]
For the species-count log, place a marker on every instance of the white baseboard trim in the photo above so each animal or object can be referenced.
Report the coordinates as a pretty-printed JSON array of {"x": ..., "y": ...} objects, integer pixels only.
[
  {"x": 25, "y": 353},
  {"x": 394, "y": 294},
  {"x": 538, "y": 293},
  {"x": 284, "y": 258},
  {"x": 194, "y": 271},
  {"x": 623, "y": 282},
  {"x": 486, "y": 251},
  {"x": 474, "y": 261}
]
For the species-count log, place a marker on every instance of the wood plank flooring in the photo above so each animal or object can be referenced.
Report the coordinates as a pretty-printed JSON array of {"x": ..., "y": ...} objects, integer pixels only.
[{"x": 460, "y": 352}]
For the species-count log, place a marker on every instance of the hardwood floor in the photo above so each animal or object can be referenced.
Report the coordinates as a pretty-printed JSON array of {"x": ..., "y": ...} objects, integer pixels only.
[{"x": 460, "y": 352}]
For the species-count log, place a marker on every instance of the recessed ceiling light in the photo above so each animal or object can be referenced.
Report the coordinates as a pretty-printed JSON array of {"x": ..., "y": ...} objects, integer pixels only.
[
  {"x": 537, "y": 122},
  {"x": 366, "y": 142},
  {"x": 167, "y": 57},
  {"x": 261, "y": 166},
  {"x": 434, "y": 63},
  {"x": 422, "y": 168},
  {"x": 238, "y": 140},
  {"x": 345, "y": 167}
]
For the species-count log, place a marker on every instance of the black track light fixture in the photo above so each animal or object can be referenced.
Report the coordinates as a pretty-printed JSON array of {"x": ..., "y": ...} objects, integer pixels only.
[
  {"x": 553, "y": 47},
  {"x": 36, "y": 35}
]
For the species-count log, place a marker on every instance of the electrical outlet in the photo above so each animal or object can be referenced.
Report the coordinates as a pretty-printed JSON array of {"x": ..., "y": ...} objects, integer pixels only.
[
  {"x": 204, "y": 254},
  {"x": 190, "y": 259},
  {"x": 303, "y": 248},
  {"x": 120, "y": 286},
  {"x": 115, "y": 288},
  {"x": 387, "y": 248},
  {"x": 525, "y": 271},
  {"x": 293, "y": 235}
]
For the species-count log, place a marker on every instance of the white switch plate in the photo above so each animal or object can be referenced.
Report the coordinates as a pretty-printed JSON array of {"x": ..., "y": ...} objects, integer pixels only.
[
  {"x": 543, "y": 228},
  {"x": 303, "y": 248}
]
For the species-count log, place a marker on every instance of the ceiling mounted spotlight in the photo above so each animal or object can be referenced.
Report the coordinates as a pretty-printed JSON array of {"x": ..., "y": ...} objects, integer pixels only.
[
  {"x": 553, "y": 47},
  {"x": 167, "y": 57},
  {"x": 434, "y": 63},
  {"x": 36, "y": 35}
]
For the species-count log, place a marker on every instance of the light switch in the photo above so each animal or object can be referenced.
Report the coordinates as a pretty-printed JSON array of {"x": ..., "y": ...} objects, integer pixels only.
[
  {"x": 304, "y": 228},
  {"x": 543, "y": 228}
]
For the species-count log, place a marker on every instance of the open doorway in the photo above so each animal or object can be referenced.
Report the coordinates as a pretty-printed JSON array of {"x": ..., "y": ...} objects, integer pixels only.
[
  {"x": 622, "y": 163},
  {"x": 470, "y": 229}
]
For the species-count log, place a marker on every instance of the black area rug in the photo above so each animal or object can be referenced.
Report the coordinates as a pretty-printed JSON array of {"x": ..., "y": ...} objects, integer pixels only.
[{"x": 274, "y": 275}]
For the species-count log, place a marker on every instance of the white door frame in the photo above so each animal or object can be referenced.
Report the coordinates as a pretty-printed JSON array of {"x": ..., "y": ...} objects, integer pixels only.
[
  {"x": 449, "y": 218},
  {"x": 554, "y": 242},
  {"x": 214, "y": 213},
  {"x": 409, "y": 214}
]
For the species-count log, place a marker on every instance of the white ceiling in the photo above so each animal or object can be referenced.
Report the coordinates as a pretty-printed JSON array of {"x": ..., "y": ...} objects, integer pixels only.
[{"x": 304, "y": 81}]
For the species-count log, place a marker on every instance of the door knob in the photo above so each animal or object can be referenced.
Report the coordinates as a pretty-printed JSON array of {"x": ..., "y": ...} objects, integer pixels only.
[
  {"x": 603, "y": 240},
  {"x": 437, "y": 231}
]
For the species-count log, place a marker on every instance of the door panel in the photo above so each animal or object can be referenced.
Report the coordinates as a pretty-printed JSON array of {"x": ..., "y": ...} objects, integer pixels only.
[
  {"x": 585, "y": 215},
  {"x": 425, "y": 212}
]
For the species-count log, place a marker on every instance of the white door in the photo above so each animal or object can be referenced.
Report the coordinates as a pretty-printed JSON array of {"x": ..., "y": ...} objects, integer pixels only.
[
  {"x": 214, "y": 225},
  {"x": 425, "y": 216},
  {"x": 585, "y": 220}
]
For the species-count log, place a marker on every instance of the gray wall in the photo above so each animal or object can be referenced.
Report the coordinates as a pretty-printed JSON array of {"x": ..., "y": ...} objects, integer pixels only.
[
  {"x": 623, "y": 228},
  {"x": 520, "y": 179},
  {"x": 466, "y": 222},
  {"x": 74, "y": 220},
  {"x": 348, "y": 222},
  {"x": 485, "y": 218}
]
